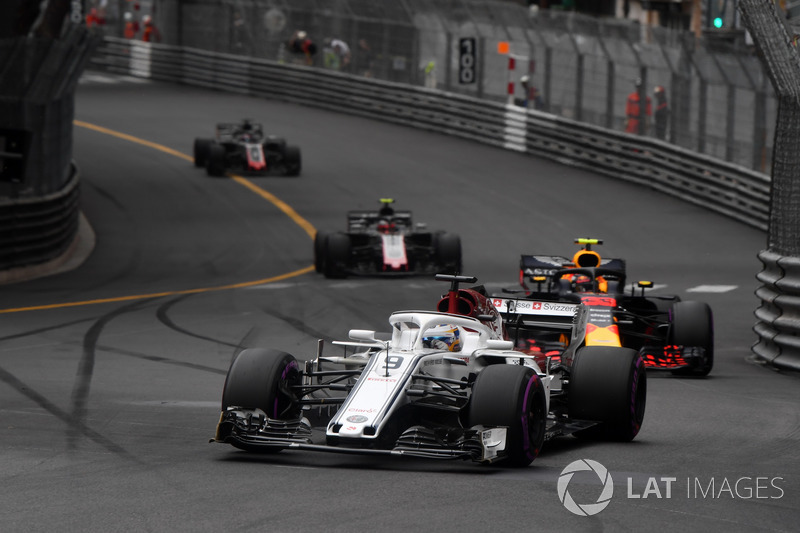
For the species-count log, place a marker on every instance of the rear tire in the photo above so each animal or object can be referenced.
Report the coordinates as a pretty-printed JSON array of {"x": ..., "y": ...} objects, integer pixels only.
[
  {"x": 292, "y": 161},
  {"x": 215, "y": 165},
  {"x": 201, "y": 149},
  {"x": 260, "y": 379},
  {"x": 337, "y": 255},
  {"x": 320, "y": 244},
  {"x": 608, "y": 385},
  {"x": 448, "y": 253},
  {"x": 693, "y": 325},
  {"x": 511, "y": 396}
]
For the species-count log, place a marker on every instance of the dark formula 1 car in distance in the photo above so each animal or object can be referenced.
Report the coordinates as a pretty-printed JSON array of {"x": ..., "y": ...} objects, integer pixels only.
[
  {"x": 668, "y": 333},
  {"x": 385, "y": 242},
  {"x": 445, "y": 385},
  {"x": 244, "y": 148}
]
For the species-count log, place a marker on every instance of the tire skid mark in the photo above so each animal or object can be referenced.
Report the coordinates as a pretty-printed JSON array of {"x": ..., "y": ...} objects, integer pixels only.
[
  {"x": 108, "y": 196},
  {"x": 83, "y": 378},
  {"x": 299, "y": 325},
  {"x": 76, "y": 425},
  {"x": 163, "y": 316},
  {"x": 45, "y": 330},
  {"x": 160, "y": 359}
]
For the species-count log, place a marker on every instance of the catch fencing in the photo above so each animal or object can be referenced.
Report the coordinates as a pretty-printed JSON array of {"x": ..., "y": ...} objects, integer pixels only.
[{"x": 720, "y": 101}]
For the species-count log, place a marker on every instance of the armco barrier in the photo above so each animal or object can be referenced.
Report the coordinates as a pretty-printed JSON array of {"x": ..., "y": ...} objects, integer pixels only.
[
  {"x": 38, "y": 229},
  {"x": 732, "y": 190}
]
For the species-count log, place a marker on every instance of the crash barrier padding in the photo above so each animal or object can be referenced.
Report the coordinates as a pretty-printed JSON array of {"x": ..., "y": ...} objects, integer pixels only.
[
  {"x": 38, "y": 229},
  {"x": 39, "y": 189},
  {"x": 729, "y": 189},
  {"x": 778, "y": 325}
]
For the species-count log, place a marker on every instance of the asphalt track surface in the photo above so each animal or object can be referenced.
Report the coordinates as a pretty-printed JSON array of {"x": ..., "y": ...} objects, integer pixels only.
[{"x": 107, "y": 405}]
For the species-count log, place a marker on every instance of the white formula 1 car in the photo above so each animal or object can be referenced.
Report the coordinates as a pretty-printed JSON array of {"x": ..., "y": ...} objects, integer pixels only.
[{"x": 446, "y": 385}]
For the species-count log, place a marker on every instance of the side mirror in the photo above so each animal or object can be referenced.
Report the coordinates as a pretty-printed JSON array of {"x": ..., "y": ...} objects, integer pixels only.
[
  {"x": 494, "y": 344},
  {"x": 365, "y": 335}
]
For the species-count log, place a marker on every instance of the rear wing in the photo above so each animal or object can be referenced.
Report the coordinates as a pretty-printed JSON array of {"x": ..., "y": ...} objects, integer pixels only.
[
  {"x": 549, "y": 266},
  {"x": 535, "y": 313},
  {"x": 361, "y": 220},
  {"x": 229, "y": 130}
]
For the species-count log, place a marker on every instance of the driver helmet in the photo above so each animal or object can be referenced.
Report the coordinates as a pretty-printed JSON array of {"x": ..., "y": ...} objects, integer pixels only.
[
  {"x": 443, "y": 337},
  {"x": 385, "y": 226}
]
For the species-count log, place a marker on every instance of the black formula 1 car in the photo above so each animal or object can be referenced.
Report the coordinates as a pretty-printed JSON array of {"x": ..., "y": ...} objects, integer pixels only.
[
  {"x": 243, "y": 148},
  {"x": 668, "y": 333},
  {"x": 445, "y": 385},
  {"x": 385, "y": 242}
]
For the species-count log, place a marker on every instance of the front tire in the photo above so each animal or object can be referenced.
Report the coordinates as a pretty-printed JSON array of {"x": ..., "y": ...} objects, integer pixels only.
[
  {"x": 511, "y": 396},
  {"x": 262, "y": 379},
  {"x": 608, "y": 385},
  {"x": 201, "y": 149},
  {"x": 337, "y": 255},
  {"x": 693, "y": 325},
  {"x": 292, "y": 161},
  {"x": 448, "y": 253},
  {"x": 320, "y": 245},
  {"x": 215, "y": 165}
]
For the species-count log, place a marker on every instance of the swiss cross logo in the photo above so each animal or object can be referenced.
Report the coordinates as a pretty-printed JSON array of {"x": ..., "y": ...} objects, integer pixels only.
[
  {"x": 497, "y": 302},
  {"x": 537, "y": 305}
]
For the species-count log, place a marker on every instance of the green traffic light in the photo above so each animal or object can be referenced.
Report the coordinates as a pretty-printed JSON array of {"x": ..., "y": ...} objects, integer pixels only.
[{"x": 718, "y": 22}]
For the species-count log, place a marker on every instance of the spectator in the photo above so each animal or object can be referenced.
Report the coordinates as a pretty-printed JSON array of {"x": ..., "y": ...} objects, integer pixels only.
[
  {"x": 150, "y": 33},
  {"x": 238, "y": 31},
  {"x": 302, "y": 47},
  {"x": 661, "y": 117},
  {"x": 94, "y": 19},
  {"x": 337, "y": 54},
  {"x": 363, "y": 59},
  {"x": 533, "y": 97},
  {"x": 131, "y": 26},
  {"x": 636, "y": 118}
]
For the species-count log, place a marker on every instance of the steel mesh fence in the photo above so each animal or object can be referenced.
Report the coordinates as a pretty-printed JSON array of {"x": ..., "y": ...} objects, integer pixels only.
[{"x": 581, "y": 67}]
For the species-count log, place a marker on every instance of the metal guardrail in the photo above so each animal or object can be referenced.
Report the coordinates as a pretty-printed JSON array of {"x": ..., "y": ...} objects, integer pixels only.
[
  {"x": 39, "y": 229},
  {"x": 727, "y": 188}
]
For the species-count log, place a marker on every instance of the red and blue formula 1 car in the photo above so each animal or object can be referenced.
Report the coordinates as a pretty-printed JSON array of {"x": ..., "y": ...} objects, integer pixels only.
[
  {"x": 243, "y": 148},
  {"x": 669, "y": 334},
  {"x": 385, "y": 242}
]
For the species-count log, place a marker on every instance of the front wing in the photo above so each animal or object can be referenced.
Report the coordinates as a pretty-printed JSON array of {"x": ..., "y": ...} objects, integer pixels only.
[
  {"x": 252, "y": 430},
  {"x": 672, "y": 357}
]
